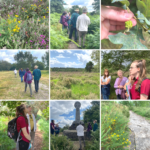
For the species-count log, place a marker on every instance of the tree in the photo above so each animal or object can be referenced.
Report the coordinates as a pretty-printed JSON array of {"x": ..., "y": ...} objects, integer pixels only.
[
  {"x": 57, "y": 6},
  {"x": 40, "y": 65},
  {"x": 96, "y": 5},
  {"x": 72, "y": 10},
  {"x": 45, "y": 60},
  {"x": 4, "y": 65},
  {"x": 25, "y": 60},
  {"x": 95, "y": 56},
  {"x": 89, "y": 66}
]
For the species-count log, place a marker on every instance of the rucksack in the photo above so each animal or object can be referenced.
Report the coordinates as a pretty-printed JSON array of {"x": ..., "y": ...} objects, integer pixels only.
[
  {"x": 12, "y": 130},
  {"x": 60, "y": 21},
  {"x": 29, "y": 77}
]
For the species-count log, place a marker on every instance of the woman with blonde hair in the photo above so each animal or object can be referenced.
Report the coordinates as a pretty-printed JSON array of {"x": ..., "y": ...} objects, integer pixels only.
[
  {"x": 105, "y": 84},
  {"x": 119, "y": 83},
  {"x": 141, "y": 85}
]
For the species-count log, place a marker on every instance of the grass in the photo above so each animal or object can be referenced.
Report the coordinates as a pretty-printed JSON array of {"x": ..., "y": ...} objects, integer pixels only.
[
  {"x": 12, "y": 88},
  {"x": 114, "y": 126},
  {"x": 5, "y": 142},
  {"x": 75, "y": 85}
]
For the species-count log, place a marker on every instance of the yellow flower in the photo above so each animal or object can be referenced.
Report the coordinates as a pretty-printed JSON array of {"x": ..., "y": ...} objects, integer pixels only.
[
  {"x": 14, "y": 30},
  {"x": 123, "y": 138},
  {"x": 19, "y": 21},
  {"x": 117, "y": 135},
  {"x": 26, "y": 11},
  {"x": 127, "y": 139},
  {"x": 122, "y": 142},
  {"x": 16, "y": 16},
  {"x": 27, "y": 16},
  {"x": 44, "y": 17}
]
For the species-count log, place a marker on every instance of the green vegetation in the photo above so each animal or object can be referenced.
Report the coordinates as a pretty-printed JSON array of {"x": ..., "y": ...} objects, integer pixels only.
[
  {"x": 114, "y": 126},
  {"x": 24, "y": 24},
  {"x": 74, "y": 85}
]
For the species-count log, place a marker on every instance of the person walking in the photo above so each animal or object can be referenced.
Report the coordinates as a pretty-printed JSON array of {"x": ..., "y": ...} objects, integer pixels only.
[
  {"x": 52, "y": 126},
  {"x": 32, "y": 125},
  {"x": 119, "y": 83},
  {"x": 22, "y": 126},
  {"x": 28, "y": 80},
  {"x": 73, "y": 21},
  {"x": 15, "y": 72},
  {"x": 95, "y": 127},
  {"x": 64, "y": 20},
  {"x": 89, "y": 129},
  {"x": 37, "y": 76},
  {"x": 21, "y": 74},
  {"x": 80, "y": 134},
  {"x": 83, "y": 21}
]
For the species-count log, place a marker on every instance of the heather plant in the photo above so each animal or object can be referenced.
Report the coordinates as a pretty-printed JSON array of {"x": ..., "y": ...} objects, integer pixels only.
[
  {"x": 114, "y": 126},
  {"x": 24, "y": 24}
]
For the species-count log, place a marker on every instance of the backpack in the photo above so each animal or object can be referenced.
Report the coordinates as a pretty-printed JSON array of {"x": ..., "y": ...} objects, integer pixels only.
[
  {"x": 12, "y": 130},
  {"x": 29, "y": 77},
  {"x": 60, "y": 21}
]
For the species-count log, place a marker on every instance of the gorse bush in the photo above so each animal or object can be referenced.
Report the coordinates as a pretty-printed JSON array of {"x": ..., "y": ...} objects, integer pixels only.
[
  {"x": 44, "y": 126},
  {"x": 114, "y": 126},
  {"x": 24, "y": 24},
  {"x": 61, "y": 143}
]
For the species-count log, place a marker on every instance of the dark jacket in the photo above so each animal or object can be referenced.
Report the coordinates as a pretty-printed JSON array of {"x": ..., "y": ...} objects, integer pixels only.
[
  {"x": 21, "y": 73},
  {"x": 64, "y": 21},
  {"x": 25, "y": 77},
  {"x": 37, "y": 74},
  {"x": 74, "y": 19}
]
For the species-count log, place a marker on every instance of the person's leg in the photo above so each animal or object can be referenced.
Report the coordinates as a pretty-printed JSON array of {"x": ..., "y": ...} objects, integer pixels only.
[
  {"x": 83, "y": 140},
  {"x": 37, "y": 85},
  {"x": 79, "y": 137},
  {"x": 23, "y": 145},
  {"x": 76, "y": 34},
  {"x": 25, "y": 86},
  {"x": 84, "y": 35},
  {"x": 71, "y": 32},
  {"x": 79, "y": 38},
  {"x": 32, "y": 134},
  {"x": 118, "y": 96},
  {"x": 30, "y": 89}
]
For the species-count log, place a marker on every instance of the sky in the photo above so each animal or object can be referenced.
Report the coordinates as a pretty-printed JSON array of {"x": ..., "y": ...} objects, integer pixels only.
[
  {"x": 64, "y": 111},
  {"x": 80, "y": 3},
  {"x": 70, "y": 58},
  {"x": 8, "y": 55}
]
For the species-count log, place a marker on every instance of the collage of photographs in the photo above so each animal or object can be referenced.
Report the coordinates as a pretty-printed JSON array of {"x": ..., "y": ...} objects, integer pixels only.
[{"x": 74, "y": 74}]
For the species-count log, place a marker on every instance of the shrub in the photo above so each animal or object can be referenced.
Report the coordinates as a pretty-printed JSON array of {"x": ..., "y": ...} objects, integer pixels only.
[
  {"x": 114, "y": 126},
  {"x": 61, "y": 143},
  {"x": 91, "y": 96}
]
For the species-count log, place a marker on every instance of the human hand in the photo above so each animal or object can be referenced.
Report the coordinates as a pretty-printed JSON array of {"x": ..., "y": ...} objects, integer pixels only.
[
  {"x": 127, "y": 95},
  {"x": 113, "y": 19}
]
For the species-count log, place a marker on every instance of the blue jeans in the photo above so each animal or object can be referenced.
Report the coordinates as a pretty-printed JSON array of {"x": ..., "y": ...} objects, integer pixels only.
[
  {"x": 36, "y": 82},
  {"x": 105, "y": 96},
  {"x": 71, "y": 32},
  {"x": 22, "y": 79}
]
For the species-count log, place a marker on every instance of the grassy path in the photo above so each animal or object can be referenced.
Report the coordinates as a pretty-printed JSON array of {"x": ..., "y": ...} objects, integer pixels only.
[{"x": 13, "y": 88}]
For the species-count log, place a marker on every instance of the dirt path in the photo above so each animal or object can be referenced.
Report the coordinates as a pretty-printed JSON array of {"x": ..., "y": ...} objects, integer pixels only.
[
  {"x": 140, "y": 132},
  {"x": 43, "y": 92},
  {"x": 72, "y": 45},
  {"x": 76, "y": 145}
]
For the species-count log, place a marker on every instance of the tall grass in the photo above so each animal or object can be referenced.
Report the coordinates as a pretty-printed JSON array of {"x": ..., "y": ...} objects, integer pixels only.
[
  {"x": 44, "y": 127},
  {"x": 114, "y": 126}
]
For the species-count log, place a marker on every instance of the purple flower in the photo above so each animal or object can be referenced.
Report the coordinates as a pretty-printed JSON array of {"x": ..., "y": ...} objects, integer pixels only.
[
  {"x": 42, "y": 36},
  {"x": 31, "y": 46},
  {"x": 31, "y": 41},
  {"x": 0, "y": 34},
  {"x": 26, "y": 42}
]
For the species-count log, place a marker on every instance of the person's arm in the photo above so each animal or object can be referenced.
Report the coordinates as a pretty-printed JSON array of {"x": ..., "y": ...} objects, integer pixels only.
[
  {"x": 77, "y": 23},
  {"x": 116, "y": 85},
  {"x": 143, "y": 97},
  {"x": 107, "y": 82},
  {"x": 27, "y": 136}
]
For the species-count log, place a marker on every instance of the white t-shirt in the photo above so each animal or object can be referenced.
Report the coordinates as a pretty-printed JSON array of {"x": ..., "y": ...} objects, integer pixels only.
[
  {"x": 15, "y": 71},
  {"x": 105, "y": 80},
  {"x": 80, "y": 130}
]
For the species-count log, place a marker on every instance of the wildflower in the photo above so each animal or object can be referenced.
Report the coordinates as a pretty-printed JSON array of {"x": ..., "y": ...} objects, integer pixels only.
[
  {"x": 44, "y": 17},
  {"x": 27, "y": 16},
  {"x": 19, "y": 22},
  {"x": 31, "y": 41},
  {"x": 26, "y": 42},
  {"x": 122, "y": 142},
  {"x": 16, "y": 16},
  {"x": 127, "y": 139},
  {"x": 117, "y": 135},
  {"x": 0, "y": 34},
  {"x": 14, "y": 30},
  {"x": 42, "y": 36}
]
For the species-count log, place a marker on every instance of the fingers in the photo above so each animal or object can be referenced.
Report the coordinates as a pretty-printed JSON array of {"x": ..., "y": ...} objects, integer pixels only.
[{"x": 115, "y": 14}]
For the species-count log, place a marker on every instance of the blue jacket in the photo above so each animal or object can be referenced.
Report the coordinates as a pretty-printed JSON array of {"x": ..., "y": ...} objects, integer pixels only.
[
  {"x": 95, "y": 127},
  {"x": 21, "y": 73},
  {"x": 37, "y": 74},
  {"x": 105, "y": 89},
  {"x": 74, "y": 19}
]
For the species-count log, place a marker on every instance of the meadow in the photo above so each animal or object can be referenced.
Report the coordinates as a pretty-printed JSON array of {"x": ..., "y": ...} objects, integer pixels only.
[
  {"x": 114, "y": 126},
  {"x": 24, "y": 24},
  {"x": 60, "y": 38},
  {"x": 75, "y": 85},
  {"x": 13, "y": 88}
]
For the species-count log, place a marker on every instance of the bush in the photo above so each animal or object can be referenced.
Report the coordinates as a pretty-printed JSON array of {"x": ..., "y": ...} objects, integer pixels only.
[
  {"x": 114, "y": 126},
  {"x": 61, "y": 143},
  {"x": 91, "y": 96}
]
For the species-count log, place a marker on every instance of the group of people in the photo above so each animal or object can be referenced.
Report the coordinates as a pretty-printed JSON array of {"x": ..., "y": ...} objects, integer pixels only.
[
  {"x": 80, "y": 130},
  {"x": 26, "y": 123},
  {"x": 76, "y": 23},
  {"x": 135, "y": 87},
  {"x": 28, "y": 77}
]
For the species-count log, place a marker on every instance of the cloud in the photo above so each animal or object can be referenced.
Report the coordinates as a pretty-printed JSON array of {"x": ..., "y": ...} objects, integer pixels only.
[
  {"x": 63, "y": 111},
  {"x": 61, "y": 56}
]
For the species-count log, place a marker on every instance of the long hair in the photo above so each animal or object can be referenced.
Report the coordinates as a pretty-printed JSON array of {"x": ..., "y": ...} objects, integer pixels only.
[
  {"x": 142, "y": 73},
  {"x": 64, "y": 13},
  {"x": 20, "y": 111},
  {"x": 106, "y": 70}
]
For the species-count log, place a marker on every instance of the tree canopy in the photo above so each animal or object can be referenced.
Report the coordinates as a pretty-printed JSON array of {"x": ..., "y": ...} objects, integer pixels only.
[{"x": 89, "y": 66}]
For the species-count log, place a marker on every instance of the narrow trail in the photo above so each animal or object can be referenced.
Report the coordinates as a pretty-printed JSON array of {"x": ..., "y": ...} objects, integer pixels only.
[
  {"x": 43, "y": 92},
  {"x": 72, "y": 45},
  {"x": 140, "y": 137}
]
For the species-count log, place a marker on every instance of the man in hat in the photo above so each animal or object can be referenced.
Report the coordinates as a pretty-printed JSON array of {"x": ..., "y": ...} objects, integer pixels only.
[
  {"x": 37, "y": 76},
  {"x": 83, "y": 21},
  {"x": 32, "y": 124},
  {"x": 73, "y": 24}
]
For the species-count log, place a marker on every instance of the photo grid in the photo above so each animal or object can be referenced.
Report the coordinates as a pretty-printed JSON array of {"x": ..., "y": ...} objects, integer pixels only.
[{"x": 66, "y": 85}]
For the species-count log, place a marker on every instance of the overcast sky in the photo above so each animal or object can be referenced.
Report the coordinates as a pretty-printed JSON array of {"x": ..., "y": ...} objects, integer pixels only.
[
  {"x": 81, "y": 3},
  {"x": 70, "y": 58},
  {"x": 64, "y": 111},
  {"x": 8, "y": 55}
]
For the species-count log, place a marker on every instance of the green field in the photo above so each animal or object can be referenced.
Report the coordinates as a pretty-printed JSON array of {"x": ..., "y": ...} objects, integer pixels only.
[
  {"x": 13, "y": 88},
  {"x": 75, "y": 85}
]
